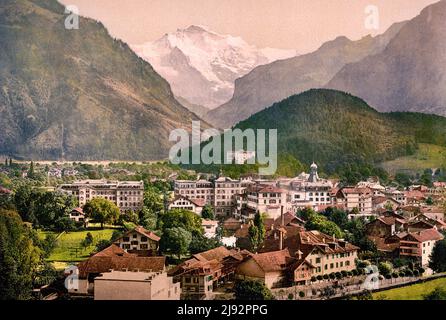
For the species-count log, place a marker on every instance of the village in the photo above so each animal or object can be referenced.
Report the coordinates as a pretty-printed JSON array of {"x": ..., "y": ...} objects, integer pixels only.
[{"x": 298, "y": 238}]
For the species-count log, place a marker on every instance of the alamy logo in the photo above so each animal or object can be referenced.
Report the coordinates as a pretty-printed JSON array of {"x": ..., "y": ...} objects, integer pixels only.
[
  {"x": 72, "y": 20},
  {"x": 72, "y": 279},
  {"x": 214, "y": 147},
  {"x": 372, "y": 278}
]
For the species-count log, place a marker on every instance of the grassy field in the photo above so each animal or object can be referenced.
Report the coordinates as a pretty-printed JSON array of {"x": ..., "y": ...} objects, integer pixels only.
[
  {"x": 413, "y": 292},
  {"x": 427, "y": 156},
  {"x": 68, "y": 244}
]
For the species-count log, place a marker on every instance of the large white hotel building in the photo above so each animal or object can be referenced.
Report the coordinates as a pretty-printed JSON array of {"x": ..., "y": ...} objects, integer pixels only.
[{"x": 127, "y": 195}]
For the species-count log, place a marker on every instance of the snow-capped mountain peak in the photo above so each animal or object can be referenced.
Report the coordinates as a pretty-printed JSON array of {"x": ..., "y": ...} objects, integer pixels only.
[{"x": 202, "y": 65}]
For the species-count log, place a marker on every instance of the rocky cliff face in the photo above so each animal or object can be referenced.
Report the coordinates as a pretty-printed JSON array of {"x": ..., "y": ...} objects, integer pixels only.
[
  {"x": 410, "y": 74},
  {"x": 78, "y": 94},
  {"x": 276, "y": 81}
]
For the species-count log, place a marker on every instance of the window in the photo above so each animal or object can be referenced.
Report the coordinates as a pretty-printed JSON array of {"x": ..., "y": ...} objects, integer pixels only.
[
  {"x": 126, "y": 239},
  {"x": 318, "y": 260},
  {"x": 144, "y": 246},
  {"x": 331, "y": 265},
  {"x": 143, "y": 239}
]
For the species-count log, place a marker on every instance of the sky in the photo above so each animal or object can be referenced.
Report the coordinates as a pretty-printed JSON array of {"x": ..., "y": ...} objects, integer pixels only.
[{"x": 303, "y": 25}]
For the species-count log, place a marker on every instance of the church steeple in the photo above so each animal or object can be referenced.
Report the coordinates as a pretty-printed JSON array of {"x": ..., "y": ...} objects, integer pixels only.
[{"x": 314, "y": 177}]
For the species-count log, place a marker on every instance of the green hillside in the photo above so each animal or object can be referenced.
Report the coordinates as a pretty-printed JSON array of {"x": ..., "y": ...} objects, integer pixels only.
[
  {"x": 342, "y": 133},
  {"x": 427, "y": 156}
]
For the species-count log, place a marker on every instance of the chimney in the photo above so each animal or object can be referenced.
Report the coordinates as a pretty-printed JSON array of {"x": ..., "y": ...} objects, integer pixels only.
[
  {"x": 282, "y": 218},
  {"x": 280, "y": 230},
  {"x": 299, "y": 254}
]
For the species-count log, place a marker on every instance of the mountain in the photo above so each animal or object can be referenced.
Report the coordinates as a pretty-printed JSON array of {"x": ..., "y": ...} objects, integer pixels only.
[
  {"x": 195, "y": 108},
  {"x": 78, "y": 94},
  {"x": 201, "y": 65},
  {"x": 410, "y": 74},
  {"x": 276, "y": 81},
  {"x": 334, "y": 128}
]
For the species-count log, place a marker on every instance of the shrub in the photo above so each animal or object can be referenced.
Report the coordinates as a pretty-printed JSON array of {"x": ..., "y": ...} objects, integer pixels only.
[
  {"x": 388, "y": 276},
  {"x": 301, "y": 294},
  {"x": 395, "y": 275},
  {"x": 421, "y": 270},
  {"x": 354, "y": 272},
  {"x": 385, "y": 268},
  {"x": 344, "y": 273},
  {"x": 313, "y": 279},
  {"x": 349, "y": 273},
  {"x": 290, "y": 296},
  {"x": 319, "y": 278},
  {"x": 402, "y": 274},
  {"x": 381, "y": 277},
  {"x": 409, "y": 273},
  {"x": 362, "y": 264},
  {"x": 338, "y": 275},
  {"x": 416, "y": 273},
  {"x": 332, "y": 275},
  {"x": 326, "y": 276}
]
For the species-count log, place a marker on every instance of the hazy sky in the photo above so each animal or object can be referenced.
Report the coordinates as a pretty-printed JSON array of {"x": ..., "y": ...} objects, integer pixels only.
[{"x": 299, "y": 24}]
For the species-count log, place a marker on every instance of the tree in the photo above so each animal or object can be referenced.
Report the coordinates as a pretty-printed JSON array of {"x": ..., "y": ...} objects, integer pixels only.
[
  {"x": 42, "y": 208},
  {"x": 102, "y": 210},
  {"x": 337, "y": 216},
  {"x": 365, "y": 295},
  {"x": 251, "y": 290},
  {"x": 153, "y": 201},
  {"x": 31, "y": 170},
  {"x": 403, "y": 179},
  {"x": 48, "y": 244},
  {"x": 129, "y": 216},
  {"x": 257, "y": 232},
  {"x": 253, "y": 237},
  {"x": 20, "y": 257},
  {"x": 181, "y": 218},
  {"x": 147, "y": 219},
  {"x": 438, "y": 293},
  {"x": 175, "y": 241},
  {"x": 24, "y": 202},
  {"x": 429, "y": 201},
  {"x": 208, "y": 212},
  {"x": 306, "y": 214},
  {"x": 200, "y": 243},
  {"x": 260, "y": 224},
  {"x": 385, "y": 268},
  {"x": 64, "y": 224},
  {"x": 102, "y": 244},
  {"x": 116, "y": 235},
  {"x": 88, "y": 241},
  {"x": 438, "y": 257},
  {"x": 321, "y": 223}
]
